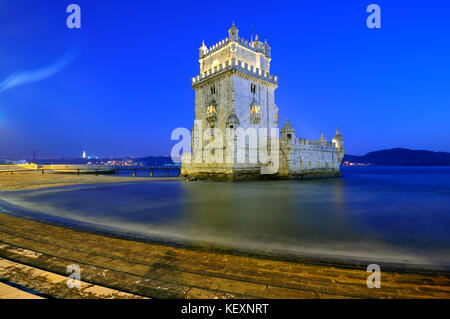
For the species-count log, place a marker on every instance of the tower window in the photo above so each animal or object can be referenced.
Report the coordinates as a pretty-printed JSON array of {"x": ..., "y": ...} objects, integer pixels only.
[
  {"x": 256, "y": 109},
  {"x": 211, "y": 109},
  {"x": 213, "y": 89},
  {"x": 253, "y": 88}
]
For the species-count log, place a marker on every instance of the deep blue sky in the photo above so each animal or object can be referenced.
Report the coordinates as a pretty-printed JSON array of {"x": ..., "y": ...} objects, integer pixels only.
[{"x": 129, "y": 84}]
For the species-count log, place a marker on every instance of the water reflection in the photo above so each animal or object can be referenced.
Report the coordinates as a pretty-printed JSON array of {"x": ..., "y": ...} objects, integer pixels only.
[{"x": 394, "y": 214}]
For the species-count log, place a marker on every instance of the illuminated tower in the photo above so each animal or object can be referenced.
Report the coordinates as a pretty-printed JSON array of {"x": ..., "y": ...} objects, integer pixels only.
[
  {"x": 233, "y": 90},
  {"x": 235, "y": 93}
]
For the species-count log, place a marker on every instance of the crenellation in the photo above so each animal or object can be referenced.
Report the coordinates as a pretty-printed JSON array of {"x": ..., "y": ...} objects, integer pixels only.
[{"x": 237, "y": 65}]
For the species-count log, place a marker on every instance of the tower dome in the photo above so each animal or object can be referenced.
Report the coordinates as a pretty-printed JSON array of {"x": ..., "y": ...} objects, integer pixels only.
[
  {"x": 338, "y": 135},
  {"x": 287, "y": 128},
  {"x": 258, "y": 45},
  {"x": 232, "y": 120}
]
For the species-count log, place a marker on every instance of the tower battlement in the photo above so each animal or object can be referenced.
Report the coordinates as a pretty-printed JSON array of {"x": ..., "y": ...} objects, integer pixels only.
[
  {"x": 313, "y": 144},
  {"x": 237, "y": 66},
  {"x": 251, "y": 45},
  {"x": 217, "y": 46}
]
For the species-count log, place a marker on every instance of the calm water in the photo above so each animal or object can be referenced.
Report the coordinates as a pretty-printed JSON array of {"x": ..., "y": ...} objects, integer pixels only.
[{"x": 376, "y": 214}]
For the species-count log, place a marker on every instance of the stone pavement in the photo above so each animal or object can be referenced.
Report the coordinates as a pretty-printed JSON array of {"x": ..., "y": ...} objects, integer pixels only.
[
  {"x": 161, "y": 271},
  {"x": 38, "y": 277},
  {"x": 9, "y": 292}
]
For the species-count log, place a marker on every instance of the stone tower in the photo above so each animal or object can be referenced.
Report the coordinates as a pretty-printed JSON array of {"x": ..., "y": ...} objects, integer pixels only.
[
  {"x": 234, "y": 90},
  {"x": 235, "y": 93}
]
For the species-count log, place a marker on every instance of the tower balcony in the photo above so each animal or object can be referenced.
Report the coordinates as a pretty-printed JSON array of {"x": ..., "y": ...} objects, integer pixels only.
[
  {"x": 211, "y": 117},
  {"x": 255, "y": 117},
  {"x": 255, "y": 113}
]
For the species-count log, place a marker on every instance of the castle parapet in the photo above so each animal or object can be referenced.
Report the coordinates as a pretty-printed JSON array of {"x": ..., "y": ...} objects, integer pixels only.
[
  {"x": 236, "y": 65},
  {"x": 303, "y": 143},
  {"x": 264, "y": 49},
  {"x": 216, "y": 47}
]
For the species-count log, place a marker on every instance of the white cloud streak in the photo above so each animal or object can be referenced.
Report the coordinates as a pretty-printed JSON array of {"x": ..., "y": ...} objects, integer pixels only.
[{"x": 25, "y": 77}]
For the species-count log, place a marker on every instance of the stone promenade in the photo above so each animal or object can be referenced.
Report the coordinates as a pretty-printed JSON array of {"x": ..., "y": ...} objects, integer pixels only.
[{"x": 132, "y": 269}]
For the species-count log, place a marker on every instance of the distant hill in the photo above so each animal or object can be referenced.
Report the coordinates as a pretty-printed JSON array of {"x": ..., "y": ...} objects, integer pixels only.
[{"x": 401, "y": 157}]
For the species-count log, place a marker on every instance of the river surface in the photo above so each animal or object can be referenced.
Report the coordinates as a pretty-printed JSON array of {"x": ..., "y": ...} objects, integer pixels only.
[{"x": 374, "y": 214}]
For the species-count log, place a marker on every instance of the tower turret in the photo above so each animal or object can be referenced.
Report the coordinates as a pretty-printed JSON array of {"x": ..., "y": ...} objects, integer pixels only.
[
  {"x": 338, "y": 142},
  {"x": 322, "y": 139},
  {"x": 258, "y": 45},
  {"x": 203, "y": 50},
  {"x": 233, "y": 33},
  {"x": 288, "y": 132},
  {"x": 266, "y": 49}
]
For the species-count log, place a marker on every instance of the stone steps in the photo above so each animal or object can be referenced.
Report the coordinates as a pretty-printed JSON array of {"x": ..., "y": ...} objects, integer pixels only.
[{"x": 49, "y": 283}]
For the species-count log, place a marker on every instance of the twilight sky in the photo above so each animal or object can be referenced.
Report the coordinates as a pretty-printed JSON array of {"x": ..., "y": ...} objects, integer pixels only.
[{"x": 122, "y": 83}]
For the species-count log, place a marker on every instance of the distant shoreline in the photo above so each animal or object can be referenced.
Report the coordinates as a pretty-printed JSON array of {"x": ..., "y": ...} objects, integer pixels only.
[{"x": 35, "y": 180}]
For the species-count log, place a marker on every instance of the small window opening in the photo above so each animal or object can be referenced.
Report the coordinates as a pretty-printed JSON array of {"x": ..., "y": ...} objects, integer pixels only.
[{"x": 211, "y": 109}]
